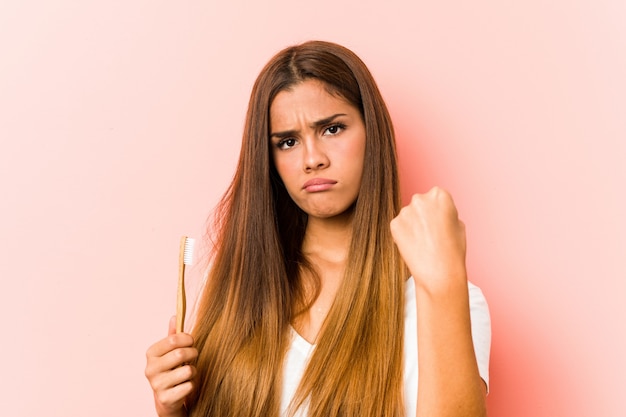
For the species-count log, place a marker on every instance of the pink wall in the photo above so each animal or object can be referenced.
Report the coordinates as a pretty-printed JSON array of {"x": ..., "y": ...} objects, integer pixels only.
[{"x": 120, "y": 126}]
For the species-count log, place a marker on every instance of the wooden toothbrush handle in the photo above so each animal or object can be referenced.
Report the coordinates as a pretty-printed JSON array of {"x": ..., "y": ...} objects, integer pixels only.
[{"x": 181, "y": 302}]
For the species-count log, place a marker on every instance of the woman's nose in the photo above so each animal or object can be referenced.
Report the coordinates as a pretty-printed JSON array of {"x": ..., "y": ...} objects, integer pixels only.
[{"x": 315, "y": 156}]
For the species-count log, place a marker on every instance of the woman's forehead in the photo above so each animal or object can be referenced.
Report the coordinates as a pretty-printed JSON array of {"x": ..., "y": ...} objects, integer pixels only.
[{"x": 308, "y": 100}]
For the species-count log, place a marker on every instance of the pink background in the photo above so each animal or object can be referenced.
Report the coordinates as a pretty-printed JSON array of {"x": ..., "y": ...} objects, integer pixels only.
[{"x": 120, "y": 125}]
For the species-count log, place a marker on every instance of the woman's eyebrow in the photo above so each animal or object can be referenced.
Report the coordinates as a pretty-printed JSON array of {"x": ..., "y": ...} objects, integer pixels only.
[
  {"x": 327, "y": 120},
  {"x": 314, "y": 125},
  {"x": 284, "y": 134}
]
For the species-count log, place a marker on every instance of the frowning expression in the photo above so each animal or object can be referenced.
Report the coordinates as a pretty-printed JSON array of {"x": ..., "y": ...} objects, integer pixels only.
[{"x": 318, "y": 147}]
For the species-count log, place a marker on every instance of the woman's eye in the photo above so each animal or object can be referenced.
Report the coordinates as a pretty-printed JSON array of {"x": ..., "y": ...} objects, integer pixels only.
[
  {"x": 286, "y": 143},
  {"x": 334, "y": 129}
]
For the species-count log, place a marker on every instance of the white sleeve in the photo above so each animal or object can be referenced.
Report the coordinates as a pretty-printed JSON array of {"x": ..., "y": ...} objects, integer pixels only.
[{"x": 481, "y": 330}]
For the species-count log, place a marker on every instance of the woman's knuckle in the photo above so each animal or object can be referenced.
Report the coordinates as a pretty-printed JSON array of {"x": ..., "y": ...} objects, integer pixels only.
[
  {"x": 188, "y": 372},
  {"x": 396, "y": 226},
  {"x": 179, "y": 354},
  {"x": 172, "y": 341},
  {"x": 148, "y": 372},
  {"x": 155, "y": 383},
  {"x": 162, "y": 397}
]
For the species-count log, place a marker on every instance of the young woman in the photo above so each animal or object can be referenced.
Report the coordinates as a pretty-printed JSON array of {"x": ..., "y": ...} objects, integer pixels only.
[{"x": 323, "y": 293}]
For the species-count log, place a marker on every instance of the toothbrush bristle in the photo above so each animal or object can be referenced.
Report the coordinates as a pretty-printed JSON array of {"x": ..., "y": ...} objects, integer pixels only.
[{"x": 188, "y": 253}]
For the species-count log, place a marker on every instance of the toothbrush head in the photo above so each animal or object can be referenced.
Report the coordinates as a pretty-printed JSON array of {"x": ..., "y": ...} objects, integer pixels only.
[{"x": 188, "y": 252}]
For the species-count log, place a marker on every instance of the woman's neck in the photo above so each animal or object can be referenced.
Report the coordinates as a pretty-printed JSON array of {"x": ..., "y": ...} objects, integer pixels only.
[{"x": 328, "y": 240}]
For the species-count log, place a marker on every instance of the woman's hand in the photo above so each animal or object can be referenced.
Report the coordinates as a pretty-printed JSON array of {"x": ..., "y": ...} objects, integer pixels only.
[
  {"x": 169, "y": 373},
  {"x": 431, "y": 239}
]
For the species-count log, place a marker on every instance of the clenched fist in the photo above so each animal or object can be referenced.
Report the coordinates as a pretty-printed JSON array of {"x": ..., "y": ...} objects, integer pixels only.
[{"x": 431, "y": 240}]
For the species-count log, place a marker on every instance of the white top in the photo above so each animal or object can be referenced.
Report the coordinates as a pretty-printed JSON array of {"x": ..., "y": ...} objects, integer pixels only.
[{"x": 300, "y": 350}]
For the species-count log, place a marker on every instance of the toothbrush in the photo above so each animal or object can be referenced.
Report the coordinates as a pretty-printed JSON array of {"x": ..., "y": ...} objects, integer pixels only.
[{"x": 185, "y": 258}]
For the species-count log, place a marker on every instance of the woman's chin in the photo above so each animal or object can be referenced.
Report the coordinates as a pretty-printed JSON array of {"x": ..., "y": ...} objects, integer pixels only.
[{"x": 330, "y": 213}]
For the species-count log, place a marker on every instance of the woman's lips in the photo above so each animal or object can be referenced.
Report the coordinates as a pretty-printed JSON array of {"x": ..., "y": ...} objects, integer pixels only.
[{"x": 318, "y": 184}]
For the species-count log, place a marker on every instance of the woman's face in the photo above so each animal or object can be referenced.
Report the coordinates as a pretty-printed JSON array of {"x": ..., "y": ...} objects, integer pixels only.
[{"x": 318, "y": 147}]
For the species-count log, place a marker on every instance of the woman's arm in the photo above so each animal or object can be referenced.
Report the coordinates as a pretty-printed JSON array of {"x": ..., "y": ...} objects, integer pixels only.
[
  {"x": 431, "y": 240},
  {"x": 449, "y": 383}
]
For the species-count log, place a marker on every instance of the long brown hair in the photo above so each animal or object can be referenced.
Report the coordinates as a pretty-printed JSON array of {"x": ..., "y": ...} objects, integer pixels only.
[{"x": 254, "y": 288}]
